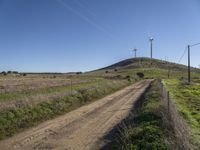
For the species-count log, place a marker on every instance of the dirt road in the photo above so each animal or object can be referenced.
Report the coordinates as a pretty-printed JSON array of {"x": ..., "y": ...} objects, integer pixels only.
[{"x": 83, "y": 128}]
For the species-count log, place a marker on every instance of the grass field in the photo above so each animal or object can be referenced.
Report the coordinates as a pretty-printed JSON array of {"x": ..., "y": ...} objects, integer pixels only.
[
  {"x": 25, "y": 108},
  {"x": 187, "y": 99}
]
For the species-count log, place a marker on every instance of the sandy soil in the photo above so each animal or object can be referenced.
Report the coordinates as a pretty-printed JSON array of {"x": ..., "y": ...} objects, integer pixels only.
[{"x": 83, "y": 128}]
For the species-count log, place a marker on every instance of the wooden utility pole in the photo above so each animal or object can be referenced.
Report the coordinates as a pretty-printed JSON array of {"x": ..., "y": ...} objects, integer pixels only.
[{"x": 189, "y": 77}]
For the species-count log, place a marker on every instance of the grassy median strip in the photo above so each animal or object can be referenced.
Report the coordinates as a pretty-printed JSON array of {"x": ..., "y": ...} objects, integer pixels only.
[{"x": 14, "y": 121}]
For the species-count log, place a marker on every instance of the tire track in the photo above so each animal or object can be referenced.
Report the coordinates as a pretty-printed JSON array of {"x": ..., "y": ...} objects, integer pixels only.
[{"x": 82, "y": 128}]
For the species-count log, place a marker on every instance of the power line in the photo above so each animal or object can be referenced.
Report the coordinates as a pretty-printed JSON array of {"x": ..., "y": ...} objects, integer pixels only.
[
  {"x": 184, "y": 52},
  {"x": 195, "y": 44},
  {"x": 189, "y": 68}
]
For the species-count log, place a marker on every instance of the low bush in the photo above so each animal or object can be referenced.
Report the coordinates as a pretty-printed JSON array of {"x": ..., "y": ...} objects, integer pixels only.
[
  {"x": 140, "y": 74},
  {"x": 4, "y": 73}
]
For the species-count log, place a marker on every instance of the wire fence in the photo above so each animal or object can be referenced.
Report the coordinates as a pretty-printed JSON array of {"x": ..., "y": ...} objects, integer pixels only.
[{"x": 180, "y": 127}]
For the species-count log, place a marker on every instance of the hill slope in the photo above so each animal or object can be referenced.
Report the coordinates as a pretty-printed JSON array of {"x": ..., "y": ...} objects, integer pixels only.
[
  {"x": 144, "y": 62},
  {"x": 152, "y": 68}
]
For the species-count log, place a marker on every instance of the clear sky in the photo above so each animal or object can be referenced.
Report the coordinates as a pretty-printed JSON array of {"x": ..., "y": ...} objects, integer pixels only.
[{"x": 81, "y": 35}]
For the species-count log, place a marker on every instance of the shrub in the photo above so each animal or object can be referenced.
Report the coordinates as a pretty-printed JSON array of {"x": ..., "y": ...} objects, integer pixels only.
[
  {"x": 24, "y": 74},
  {"x": 106, "y": 71},
  {"x": 79, "y": 73},
  {"x": 128, "y": 78},
  {"x": 115, "y": 70},
  {"x": 15, "y": 72},
  {"x": 4, "y": 73},
  {"x": 140, "y": 74}
]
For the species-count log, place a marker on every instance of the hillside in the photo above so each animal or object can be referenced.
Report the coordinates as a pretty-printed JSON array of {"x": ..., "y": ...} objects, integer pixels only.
[
  {"x": 154, "y": 68},
  {"x": 145, "y": 62}
]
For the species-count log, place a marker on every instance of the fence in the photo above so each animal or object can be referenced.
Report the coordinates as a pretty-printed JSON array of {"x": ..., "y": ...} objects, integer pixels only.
[{"x": 180, "y": 127}]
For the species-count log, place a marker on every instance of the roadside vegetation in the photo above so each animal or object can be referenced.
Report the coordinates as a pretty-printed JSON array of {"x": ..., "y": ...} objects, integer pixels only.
[
  {"x": 19, "y": 119},
  {"x": 187, "y": 99},
  {"x": 148, "y": 127}
]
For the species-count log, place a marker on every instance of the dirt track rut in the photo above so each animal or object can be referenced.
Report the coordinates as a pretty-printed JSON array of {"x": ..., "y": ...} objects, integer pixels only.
[{"x": 83, "y": 128}]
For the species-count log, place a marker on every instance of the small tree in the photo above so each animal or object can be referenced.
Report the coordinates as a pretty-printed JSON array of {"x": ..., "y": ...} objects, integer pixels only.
[
  {"x": 106, "y": 71},
  {"x": 4, "y": 73},
  {"x": 115, "y": 70},
  {"x": 128, "y": 77},
  {"x": 24, "y": 74},
  {"x": 79, "y": 73}
]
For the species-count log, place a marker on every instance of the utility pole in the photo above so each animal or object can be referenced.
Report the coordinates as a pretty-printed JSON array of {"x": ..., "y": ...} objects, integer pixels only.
[
  {"x": 71, "y": 86},
  {"x": 168, "y": 67},
  {"x": 189, "y": 68},
  {"x": 189, "y": 78}
]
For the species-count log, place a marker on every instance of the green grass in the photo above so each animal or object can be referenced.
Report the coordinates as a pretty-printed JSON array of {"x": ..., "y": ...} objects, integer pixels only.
[
  {"x": 17, "y": 120},
  {"x": 145, "y": 131},
  {"x": 149, "y": 73},
  {"x": 187, "y": 99}
]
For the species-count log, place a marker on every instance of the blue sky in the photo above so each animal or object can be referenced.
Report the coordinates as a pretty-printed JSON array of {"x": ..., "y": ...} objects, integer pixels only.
[{"x": 81, "y": 35}]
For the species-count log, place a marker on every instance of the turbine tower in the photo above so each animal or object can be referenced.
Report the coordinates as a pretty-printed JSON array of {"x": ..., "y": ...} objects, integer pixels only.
[
  {"x": 135, "y": 50},
  {"x": 151, "y": 46}
]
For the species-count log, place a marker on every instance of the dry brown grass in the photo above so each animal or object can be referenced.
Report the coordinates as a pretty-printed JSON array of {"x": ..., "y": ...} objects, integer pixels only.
[{"x": 29, "y": 83}]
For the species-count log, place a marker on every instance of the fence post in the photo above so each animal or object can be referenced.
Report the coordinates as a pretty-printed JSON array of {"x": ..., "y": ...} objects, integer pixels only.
[
  {"x": 168, "y": 106},
  {"x": 71, "y": 86}
]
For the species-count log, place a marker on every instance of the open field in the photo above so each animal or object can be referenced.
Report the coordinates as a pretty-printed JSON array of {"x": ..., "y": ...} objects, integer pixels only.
[
  {"x": 90, "y": 123},
  {"x": 43, "y": 102},
  {"x": 23, "y": 109}
]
